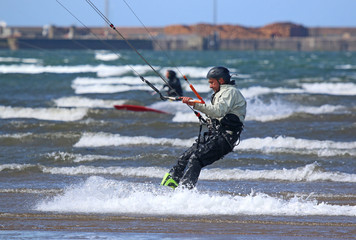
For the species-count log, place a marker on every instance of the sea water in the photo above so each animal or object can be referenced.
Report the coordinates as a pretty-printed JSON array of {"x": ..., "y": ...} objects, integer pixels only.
[{"x": 72, "y": 166}]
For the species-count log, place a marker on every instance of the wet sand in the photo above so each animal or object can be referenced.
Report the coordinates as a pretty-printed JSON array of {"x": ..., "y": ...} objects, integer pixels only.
[{"x": 136, "y": 227}]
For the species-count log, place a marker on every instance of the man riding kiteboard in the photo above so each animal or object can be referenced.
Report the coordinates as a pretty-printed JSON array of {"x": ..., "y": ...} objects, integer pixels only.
[{"x": 226, "y": 115}]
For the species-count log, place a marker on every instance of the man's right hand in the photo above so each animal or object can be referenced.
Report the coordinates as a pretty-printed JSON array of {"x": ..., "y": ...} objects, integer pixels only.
[{"x": 187, "y": 101}]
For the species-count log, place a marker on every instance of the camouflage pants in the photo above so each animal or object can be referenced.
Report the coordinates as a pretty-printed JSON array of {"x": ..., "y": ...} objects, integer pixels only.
[{"x": 212, "y": 147}]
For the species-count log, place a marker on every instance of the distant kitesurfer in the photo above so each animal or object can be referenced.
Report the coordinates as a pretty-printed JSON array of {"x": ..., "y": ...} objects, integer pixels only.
[
  {"x": 174, "y": 88},
  {"x": 226, "y": 115}
]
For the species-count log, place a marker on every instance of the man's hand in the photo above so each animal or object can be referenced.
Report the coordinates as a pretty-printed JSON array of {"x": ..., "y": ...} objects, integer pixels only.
[{"x": 187, "y": 101}]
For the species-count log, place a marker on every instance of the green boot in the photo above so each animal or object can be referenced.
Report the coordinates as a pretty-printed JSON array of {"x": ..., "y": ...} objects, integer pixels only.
[{"x": 169, "y": 181}]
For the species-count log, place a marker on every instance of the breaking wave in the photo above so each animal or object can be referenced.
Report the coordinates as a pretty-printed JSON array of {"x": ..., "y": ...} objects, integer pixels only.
[
  {"x": 308, "y": 173},
  {"x": 106, "y": 56},
  {"x": 52, "y": 114},
  {"x": 82, "y": 102},
  {"x": 100, "y": 195},
  {"x": 279, "y": 144},
  {"x": 107, "y": 139}
]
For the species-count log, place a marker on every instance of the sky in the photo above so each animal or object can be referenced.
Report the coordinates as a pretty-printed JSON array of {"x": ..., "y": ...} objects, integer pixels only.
[{"x": 159, "y": 13}]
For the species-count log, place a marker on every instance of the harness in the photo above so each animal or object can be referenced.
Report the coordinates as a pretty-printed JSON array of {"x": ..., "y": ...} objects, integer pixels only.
[
  {"x": 216, "y": 127},
  {"x": 229, "y": 126}
]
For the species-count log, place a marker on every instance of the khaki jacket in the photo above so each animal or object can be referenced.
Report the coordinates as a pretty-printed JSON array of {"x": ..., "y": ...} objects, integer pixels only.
[{"x": 228, "y": 100}]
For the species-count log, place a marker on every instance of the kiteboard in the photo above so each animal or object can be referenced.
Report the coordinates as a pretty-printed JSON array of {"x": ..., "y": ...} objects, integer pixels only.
[{"x": 137, "y": 108}]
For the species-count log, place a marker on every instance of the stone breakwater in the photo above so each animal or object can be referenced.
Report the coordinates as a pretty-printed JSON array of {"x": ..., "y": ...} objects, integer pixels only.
[{"x": 277, "y": 36}]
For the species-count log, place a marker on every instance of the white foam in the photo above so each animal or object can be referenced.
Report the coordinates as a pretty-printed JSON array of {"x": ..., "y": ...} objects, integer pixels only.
[
  {"x": 81, "y": 102},
  {"x": 278, "y": 144},
  {"x": 265, "y": 111},
  {"x": 53, "y": 114},
  {"x": 108, "y": 88},
  {"x": 22, "y": 60},
  {"x": 259, "y": 90},
  {"x": 259, "y": 110},
  {"x": 77, "y": 157},
  {"x": 127, "y": 80},
  {"x": 309, "y": 173},
  {"x": 29, "y": 190},
  {"x": 15, "y": 166},
  {"x": 307, "y": 88},
  {"x": 293, "y": 145},
  {"x": 106, "y": 56},
  {"x": 37, "y": 69},
  {"x": 190, "y": 72},
  {"x": 327, "y": 108},
  {"x": 110, "y": 85},
  {"x": 123, "y": 171},
  {"x": 99, "y": 195},
  {"x": 170, "y": 107},
  {"x": 122, "y": 70},
  {"x": 107, "y": 139},
  {"x": 101, "y": 69},
  {"x": 127, "y": 83},
  {"x": 345, "y": 66},
  {"x": 330, "y": 88},
  {"x": 276, "y": 109},
  {"x": 185, "y": 117},
  {"x": 16, "y": 135}
]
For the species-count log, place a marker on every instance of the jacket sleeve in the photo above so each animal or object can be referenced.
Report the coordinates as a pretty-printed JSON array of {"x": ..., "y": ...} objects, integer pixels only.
[{"x": 221, "y": 106}]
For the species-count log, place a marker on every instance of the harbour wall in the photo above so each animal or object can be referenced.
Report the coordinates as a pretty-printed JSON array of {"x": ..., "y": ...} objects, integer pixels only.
[
  {"x": 187, "y": 43},
  {"x": 200, "y": 37}
]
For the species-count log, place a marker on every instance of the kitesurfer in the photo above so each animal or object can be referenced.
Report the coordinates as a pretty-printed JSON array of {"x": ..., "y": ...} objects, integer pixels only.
[
  {"x": 174, "y": 88},
  {"x": 226, "y": 115}
]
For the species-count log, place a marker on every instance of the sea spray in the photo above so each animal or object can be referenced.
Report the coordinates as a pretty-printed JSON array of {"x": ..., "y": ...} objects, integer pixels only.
[{"x": 100, "y": 195}]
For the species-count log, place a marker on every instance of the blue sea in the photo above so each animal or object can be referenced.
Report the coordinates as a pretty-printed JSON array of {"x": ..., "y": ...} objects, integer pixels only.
[{"x": 74, "y": 167}]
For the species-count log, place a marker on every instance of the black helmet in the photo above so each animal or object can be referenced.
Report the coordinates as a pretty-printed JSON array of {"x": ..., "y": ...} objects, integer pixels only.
[
  {"x": 219, "y": 72},
  {"x": 171, "y": 74}
]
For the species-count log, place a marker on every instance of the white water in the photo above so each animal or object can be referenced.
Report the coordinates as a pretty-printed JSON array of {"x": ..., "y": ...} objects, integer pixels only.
[
  {"x": 14, "y": 166},
  {"x": 72, "y": 157},
  {"x": 107, "y": 139},
  {"x": 108, "y": 88},
  {"x": 83, "y": 85},
  {"x": 16, "y": 135},
  {"x": 191, "y": 72},
  {"x": 101, "y": 70},
  {"x": 258, "y": 110},
  {"x": 21, "y": 60},
  {"x": 100, "y": 195},
  {"x": 83, "y": 102},
  {"x": 277, "y": 109},
  {"x": 106, "y": 56},
  {"x": 308, "y": 173},
  {"x": 126, "y": 80},
  {"x": 280, "y": 144},
  {"x": 52, "y": 114},
  {"x": 203, "y": 87},
  {"x": 331, "y": 88},
  {"x": 306, "y": 88}
]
